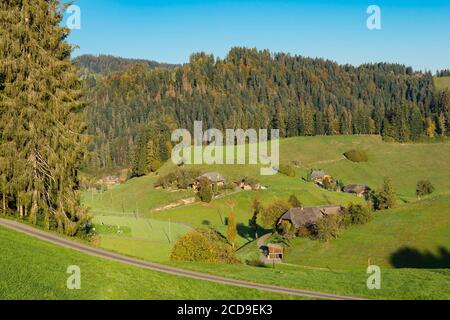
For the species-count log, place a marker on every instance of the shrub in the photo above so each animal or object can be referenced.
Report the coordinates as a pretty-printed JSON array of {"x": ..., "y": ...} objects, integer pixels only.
[
  {"x": 203, "y": 245},
  {"x": 359, "y": 214},
  {"x": 287, "y": 230},
  {"x": 356, "y": 156},
  {"x": 328, "y": 227},
  {"x": 424, "y": 188},
  {"x": 287, "y": 170},
  {"x": 181, "y": 178},
  {"x": 228, "y": 186},
  {"x": 194, "y": 246},
  {"x": 385, "y": 198},
  {"x": 155, "y": 165},
  {"x": 205, "y": 191},
  {"x": 270, "y": 215}
]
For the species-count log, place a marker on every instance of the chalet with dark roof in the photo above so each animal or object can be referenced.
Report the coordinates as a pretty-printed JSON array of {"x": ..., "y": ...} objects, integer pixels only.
[
  {"x": 308, "y": 217},
  {"x": 361, "y": 190}
]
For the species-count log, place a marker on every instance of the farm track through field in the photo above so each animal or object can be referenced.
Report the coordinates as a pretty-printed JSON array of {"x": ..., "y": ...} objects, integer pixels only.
[{"x": 54, "y": 239}]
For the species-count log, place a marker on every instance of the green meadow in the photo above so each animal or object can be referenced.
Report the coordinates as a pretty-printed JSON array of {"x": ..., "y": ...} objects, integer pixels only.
[
  {"x": 413, "y": 236},
  {"x": 410, "y": 242}
]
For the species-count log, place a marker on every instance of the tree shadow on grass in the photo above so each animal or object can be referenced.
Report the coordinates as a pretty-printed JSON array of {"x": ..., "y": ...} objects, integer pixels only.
[
  {"x": 248, "y": 232},
  {"x": 412, "y": 258}
]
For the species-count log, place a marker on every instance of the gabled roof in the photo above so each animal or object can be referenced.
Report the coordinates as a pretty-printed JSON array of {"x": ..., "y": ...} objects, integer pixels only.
[
  {"x": 356, "y": 188},
  {"x": 305, "y": 217},
  {"x": 318, "y": 174}
]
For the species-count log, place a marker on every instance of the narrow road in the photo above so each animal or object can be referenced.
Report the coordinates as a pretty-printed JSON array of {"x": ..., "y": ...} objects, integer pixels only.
[
  {"x": 261, "y": 241},
  {"x": 49, "y": 237}
]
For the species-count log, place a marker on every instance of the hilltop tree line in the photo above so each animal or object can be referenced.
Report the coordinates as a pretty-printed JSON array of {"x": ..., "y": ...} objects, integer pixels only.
[
  {"x": 257, "y": 89},
  {"x": 41, "y": 117},
  {"x": 443, "y": 73},
  {"x": 106, "y": 64}
]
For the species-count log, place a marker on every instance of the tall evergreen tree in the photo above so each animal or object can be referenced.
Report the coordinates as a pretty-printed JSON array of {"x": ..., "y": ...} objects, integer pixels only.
[{"x": 41, "y": 120}]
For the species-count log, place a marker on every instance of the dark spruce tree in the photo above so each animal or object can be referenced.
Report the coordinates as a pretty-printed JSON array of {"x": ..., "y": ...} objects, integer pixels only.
[{"x": 41, "y": 120}]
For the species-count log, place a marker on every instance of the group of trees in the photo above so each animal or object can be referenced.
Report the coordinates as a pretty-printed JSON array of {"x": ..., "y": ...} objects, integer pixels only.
[
  {"x": 385, "y": 197},
  {"x": 153, "y": 147},
  {"x": 181, "y": 178},
  {"x": 424, "y": 188},
  {"x": 443, "y": 73},
  {"x": 204, "y": 245},
  {"x": 258, "y": 89},
  {"x": 41, "y": 122}
]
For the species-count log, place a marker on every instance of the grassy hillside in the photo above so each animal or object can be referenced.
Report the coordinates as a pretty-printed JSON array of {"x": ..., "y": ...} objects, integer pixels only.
[
  {"x": 442, "y": 83},
  {"x": 404, "y": 163},
  {"x": 33, "y": 269},
  {"x": 136, "y": 196},
  {"x": 414, "y": 236}
]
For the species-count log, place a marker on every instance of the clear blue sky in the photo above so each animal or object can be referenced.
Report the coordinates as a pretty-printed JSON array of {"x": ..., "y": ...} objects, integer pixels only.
[{"x": 415, "y": 33}]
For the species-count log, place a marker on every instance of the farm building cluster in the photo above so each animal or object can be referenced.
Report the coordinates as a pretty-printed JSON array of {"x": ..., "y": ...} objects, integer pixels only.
[
  {"x": 325, "y": 180},
  {"x": 217, "y": 180}
]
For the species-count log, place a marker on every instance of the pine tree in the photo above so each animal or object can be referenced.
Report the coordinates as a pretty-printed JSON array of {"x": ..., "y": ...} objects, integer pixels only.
[
  {"x": 40, "y": 116},
  {"x": 231, "y": 229},
  {"x": 306, "y": 120},
  {"x": 386, "y": 197}
]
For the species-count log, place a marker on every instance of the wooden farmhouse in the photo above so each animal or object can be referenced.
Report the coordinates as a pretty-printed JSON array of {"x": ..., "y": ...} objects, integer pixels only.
[
  {"x": 307, "y": 217},
  {"x": 360, "y": 190},
  {"x": 319, "y": 176},
  {"x": 215, "y": 178}
]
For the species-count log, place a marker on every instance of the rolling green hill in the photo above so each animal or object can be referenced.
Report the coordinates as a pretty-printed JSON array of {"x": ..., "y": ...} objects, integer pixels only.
[
  {"x": 414, "y": 236},
  {"x": 404, "y": 163}
]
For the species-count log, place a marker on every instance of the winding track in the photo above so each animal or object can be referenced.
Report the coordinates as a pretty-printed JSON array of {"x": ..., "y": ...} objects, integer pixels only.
[{"x": 54, "y": 239}]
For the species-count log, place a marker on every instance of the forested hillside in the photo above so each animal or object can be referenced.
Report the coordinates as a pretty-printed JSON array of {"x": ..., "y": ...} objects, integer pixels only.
[
  {"x": 106, "y": 64},
  {"x": 257, "y": 89}
]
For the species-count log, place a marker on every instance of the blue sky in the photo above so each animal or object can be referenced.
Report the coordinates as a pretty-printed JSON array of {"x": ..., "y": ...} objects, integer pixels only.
[{"x": 415, "y": 33}]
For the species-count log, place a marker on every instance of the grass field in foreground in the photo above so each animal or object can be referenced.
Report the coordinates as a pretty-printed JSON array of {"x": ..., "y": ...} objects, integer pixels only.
[
  {"x": 395, "y": 283},
  {"x": 414, "y": 236},
  {"x": 33, "y": 269}
]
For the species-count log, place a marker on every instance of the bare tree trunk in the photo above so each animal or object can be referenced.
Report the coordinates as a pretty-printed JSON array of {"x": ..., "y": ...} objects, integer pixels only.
[
  {"x": 46, "y": 219},
  {"x": 34, "y": 208},
  {"x": 4, "y": 203}
]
